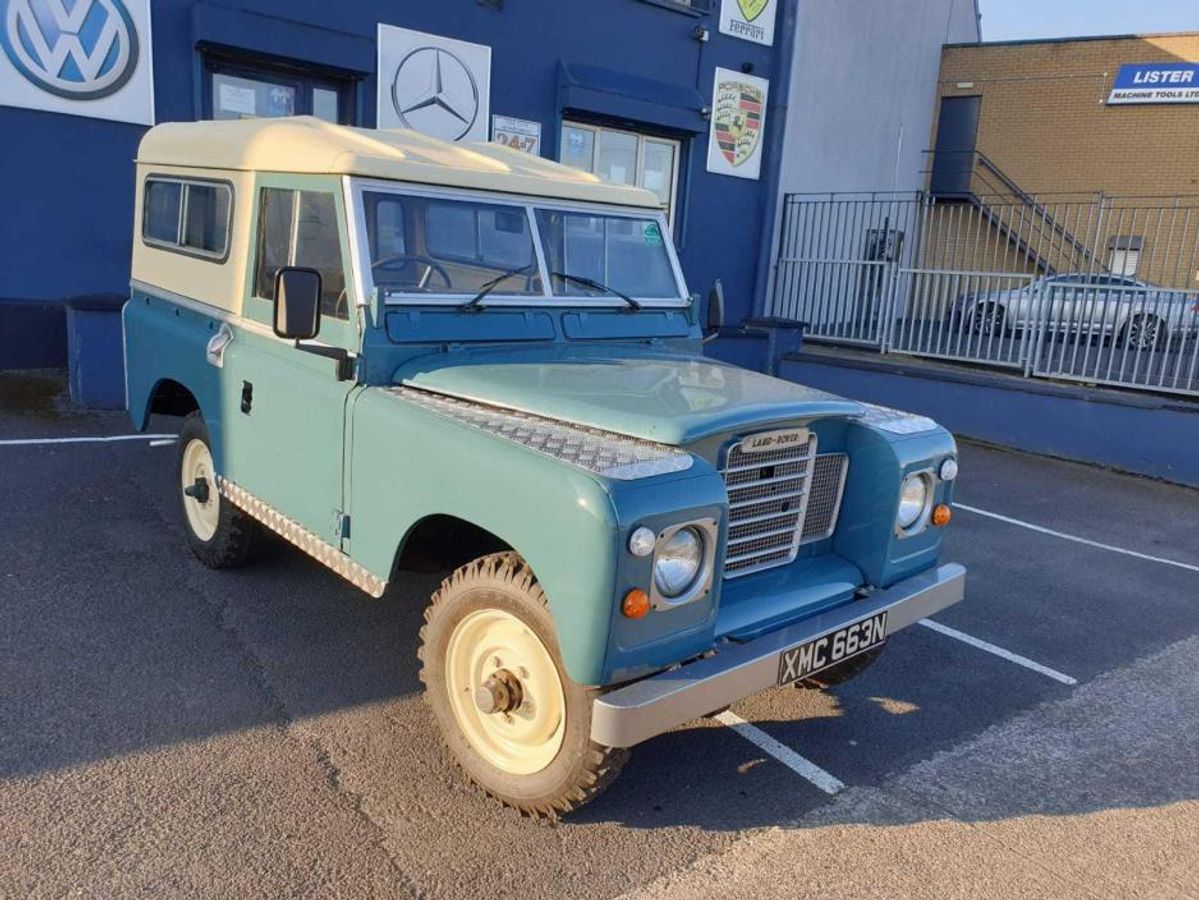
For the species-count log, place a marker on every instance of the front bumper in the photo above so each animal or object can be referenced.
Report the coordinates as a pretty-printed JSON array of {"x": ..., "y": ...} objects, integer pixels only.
[{"x": 643, "y": 709}]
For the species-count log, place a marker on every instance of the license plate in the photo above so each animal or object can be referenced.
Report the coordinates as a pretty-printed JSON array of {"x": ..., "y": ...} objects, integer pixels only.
[{"x": 820, "y": 653}]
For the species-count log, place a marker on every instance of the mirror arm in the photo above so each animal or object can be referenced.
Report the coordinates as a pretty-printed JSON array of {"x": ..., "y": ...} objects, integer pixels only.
[{"x": 345, "y": 364}]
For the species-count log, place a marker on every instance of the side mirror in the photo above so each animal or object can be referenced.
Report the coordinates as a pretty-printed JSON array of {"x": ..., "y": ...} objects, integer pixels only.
[
  {"x": 715, "y": 310},
  {"x": 297, "y": 303}
]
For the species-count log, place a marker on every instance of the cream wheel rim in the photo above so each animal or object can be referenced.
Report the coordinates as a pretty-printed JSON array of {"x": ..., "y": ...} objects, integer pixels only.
[
  {"x": 197, "y": 463},
  {"x": 526, "y": 739}
]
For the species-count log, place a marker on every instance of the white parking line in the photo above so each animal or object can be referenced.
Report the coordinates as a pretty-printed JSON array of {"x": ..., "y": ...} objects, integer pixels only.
[
  {"x": 998, "y": 651},
  {"x": 33, "y": 442},
  {"x": 799, "y": 765},
  {"x": 1072, "y": 537}
]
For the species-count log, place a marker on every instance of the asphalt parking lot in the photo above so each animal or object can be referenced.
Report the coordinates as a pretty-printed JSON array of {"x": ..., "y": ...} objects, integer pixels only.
[{"x": 171, "y": 731}]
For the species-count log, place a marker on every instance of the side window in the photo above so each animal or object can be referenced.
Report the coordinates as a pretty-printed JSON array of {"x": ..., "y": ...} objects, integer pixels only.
[
  {"x": 318, "y": 246},
  {"x": 274, "y": 238},
  {"x": 299, "y": 228},
  {"x": 187, "y": 216},
  {"x": 204, "y": 223},
  {"x": 160, "y": 213}
]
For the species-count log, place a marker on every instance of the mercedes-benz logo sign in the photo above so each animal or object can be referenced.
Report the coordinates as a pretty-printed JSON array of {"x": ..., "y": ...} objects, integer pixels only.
[
  {"x": 434, "y": 92},
  {"x": 83, "y": 52}
]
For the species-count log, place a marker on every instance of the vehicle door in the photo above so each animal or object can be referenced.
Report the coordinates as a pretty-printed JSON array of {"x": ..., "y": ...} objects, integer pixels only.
[
  {"x": 1065, "y": 296},
  {"x": 285, "y": 407},
  {"x": 1107, "y": 303}
]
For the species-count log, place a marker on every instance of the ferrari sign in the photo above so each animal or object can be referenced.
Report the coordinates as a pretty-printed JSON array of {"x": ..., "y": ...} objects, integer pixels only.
[
  {"x": 738, "y": 117},
  {"x": 751, "y": 20}
]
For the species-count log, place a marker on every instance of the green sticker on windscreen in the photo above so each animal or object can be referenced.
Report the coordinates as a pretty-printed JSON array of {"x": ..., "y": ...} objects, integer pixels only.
[{"x": 653, "y": 234}]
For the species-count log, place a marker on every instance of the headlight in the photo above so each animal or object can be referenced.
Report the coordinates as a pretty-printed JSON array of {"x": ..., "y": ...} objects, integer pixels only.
[
  {"x": 912, "y": 501},
  {"x": 678, "y": 562}
]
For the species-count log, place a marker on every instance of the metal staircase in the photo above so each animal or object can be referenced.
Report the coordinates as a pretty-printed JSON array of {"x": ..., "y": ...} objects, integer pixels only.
[{"x": 1031, "y": 225}]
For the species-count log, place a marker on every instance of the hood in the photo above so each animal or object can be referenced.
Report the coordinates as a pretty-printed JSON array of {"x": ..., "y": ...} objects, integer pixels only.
[{"x": 672, "y": 400}]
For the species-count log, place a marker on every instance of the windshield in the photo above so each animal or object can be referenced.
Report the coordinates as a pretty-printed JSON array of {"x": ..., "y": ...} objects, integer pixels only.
[
  {"x": 420, "y": 245},
  {"x": 626, "y": 254},
  {"x": 460, "y": 248}
]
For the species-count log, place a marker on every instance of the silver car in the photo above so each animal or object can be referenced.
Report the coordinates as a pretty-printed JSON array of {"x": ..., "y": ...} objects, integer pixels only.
[{"x": 1135, "y": 313}]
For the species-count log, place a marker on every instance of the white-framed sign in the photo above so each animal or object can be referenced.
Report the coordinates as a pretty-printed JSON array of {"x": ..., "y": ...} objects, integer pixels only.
[
  {"x": 519, "y": 134},
  {"x": 1167, "y": 82},
  {"x": 433, "y": 84},
  {"x": 87, "y": 58},
  {"x": 752, "y": 20},
  {"x": 738, "y": 120}
]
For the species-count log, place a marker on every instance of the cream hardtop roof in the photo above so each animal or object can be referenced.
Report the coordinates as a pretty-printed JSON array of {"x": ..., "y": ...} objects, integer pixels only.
[{"x": 307, "y": 145}]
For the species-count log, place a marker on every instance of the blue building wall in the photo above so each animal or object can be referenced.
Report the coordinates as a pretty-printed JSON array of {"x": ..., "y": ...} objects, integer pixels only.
[{"x": 66, "y": 221}]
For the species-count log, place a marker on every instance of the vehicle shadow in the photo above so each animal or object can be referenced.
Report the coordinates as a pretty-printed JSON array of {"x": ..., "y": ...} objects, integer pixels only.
[{"x": 115, "y": 642}]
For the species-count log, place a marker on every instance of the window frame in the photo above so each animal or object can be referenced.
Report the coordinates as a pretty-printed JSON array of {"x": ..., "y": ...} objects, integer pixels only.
[
  {"x": 639, "y": 165},
  {"x": 286, "y": 73},
  {"x": 546, "y": 299},
  {"x": 696, "y": 8},
  {"x": 177, "y": 246},
  {"x": 345, "y": 333},
  {"x": 293, "y": 240},
  {"x": 360, "y": 188}
]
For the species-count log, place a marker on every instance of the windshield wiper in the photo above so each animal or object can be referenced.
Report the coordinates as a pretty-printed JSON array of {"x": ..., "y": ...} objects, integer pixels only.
[
  {"x": 596, "y": 285},
  {"x": 476, "y": 301}
]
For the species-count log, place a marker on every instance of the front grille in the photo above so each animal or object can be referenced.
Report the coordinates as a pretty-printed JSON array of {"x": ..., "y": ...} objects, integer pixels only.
[
  {"x": 824, "y": 500},
  {"x": 775, "y": 496},
  {"x": 768, "y": 492}
]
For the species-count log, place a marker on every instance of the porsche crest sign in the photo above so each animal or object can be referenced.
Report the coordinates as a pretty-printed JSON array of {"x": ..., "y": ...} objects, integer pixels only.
[{"x": 738, "y": 119}]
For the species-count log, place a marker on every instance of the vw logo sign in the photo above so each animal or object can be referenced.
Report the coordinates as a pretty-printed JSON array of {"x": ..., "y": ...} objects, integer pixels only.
[
  {"x": 80, "y": 51},
  {"x": 434, "y": 92}
]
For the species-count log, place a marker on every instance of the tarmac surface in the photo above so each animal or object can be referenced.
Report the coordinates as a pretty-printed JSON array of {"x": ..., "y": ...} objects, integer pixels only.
[{"x": 167, "y": 730}]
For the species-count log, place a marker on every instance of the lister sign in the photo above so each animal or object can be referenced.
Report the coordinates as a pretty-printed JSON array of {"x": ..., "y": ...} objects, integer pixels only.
[{"x": 1173, "y": 82}]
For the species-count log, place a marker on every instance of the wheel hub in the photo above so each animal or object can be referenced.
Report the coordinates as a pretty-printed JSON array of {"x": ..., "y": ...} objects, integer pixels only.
[
  {"x": 501, "y": 693},
  {"x": 197, "y": 475},
  {"x": 198, "y": 490},
  {"x": 505, "y": 691}
]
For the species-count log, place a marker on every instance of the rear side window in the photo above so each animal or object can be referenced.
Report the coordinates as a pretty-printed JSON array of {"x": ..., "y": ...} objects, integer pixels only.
[{"x": 187, "y": 216}]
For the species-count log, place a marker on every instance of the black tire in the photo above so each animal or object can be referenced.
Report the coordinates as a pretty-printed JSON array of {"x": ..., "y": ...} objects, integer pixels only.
[
  {"x": 1144, "y": 332},
  {"x": 988, "y": 318},
  {"x": 843, "y": 672},
  {"x": 237, "y": 538},
  {"x": 581, "y": 768}
]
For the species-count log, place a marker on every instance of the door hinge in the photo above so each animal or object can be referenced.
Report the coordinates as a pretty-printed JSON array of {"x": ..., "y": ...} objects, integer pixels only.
[{"x": 341, "y": 525}]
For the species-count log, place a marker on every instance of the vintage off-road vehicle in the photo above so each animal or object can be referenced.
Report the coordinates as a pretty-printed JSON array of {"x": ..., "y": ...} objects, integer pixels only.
[{"x": 392, "y": 350}]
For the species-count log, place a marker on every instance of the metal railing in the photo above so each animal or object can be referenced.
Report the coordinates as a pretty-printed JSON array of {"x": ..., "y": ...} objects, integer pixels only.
[{"x": 1100, "y": 290}]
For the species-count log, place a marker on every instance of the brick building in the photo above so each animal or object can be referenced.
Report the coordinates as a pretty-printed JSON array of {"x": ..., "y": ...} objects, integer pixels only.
[
  {"x": 1068, "y": 155},
  {"x": 1044, "y": 117}
]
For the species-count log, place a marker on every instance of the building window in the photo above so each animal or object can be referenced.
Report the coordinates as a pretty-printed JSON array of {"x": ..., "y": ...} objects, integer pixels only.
[
  {"x": 241, "y": 89},
  {"x": 299, "y": 228},
  {"x": 187, "y": 216},
  {"x": 1124, "y": 254},
  {"x": 624, "y": 157},
  {"x": 693, "y": 7}
]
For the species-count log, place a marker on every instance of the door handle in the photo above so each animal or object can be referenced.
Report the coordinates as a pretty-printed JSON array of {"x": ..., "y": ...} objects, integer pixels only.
[{"x": 215, "y": 351}]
